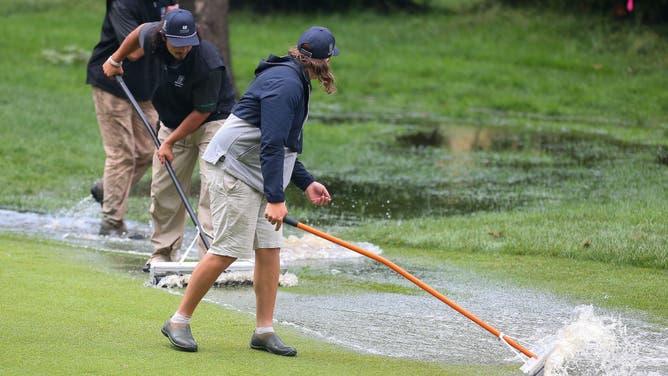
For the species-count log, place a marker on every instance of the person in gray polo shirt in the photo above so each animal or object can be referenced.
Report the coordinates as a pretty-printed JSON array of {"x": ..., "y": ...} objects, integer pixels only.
[{"x": 249, "y": 163}]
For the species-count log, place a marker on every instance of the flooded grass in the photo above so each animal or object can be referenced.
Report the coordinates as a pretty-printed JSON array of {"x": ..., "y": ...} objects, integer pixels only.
[
  {"x": 428, "y": 190},
  {"x": 409, "y": 172}
]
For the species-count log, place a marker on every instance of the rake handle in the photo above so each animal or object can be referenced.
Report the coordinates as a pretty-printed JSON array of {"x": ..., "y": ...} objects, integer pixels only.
[
  {"x": 293, "y": 222},
  {"x": 168, "y": 165}
]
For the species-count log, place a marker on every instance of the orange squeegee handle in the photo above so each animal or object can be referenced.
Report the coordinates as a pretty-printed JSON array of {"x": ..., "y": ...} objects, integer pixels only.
[{"x": 292, "y": 222}]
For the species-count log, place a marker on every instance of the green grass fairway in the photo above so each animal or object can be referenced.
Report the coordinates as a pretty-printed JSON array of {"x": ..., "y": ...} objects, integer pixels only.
[{"x": 65, "y": 315}]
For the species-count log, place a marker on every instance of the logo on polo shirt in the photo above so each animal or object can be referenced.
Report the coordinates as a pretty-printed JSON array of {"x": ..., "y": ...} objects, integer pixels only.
[{"x": 179, "y": 81}]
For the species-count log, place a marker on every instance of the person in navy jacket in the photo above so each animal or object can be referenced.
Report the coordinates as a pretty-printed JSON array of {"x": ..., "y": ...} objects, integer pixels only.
[{"x": 249, "y": 163}]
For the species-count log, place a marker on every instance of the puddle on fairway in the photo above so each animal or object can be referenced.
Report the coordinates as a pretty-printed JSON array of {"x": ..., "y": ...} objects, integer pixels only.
[
  {"x": 79, "y": 226},
  {"x": 442, "y": 170},
  {"x": 589, "y": 341},
  {"x": 412, "y": 326}
]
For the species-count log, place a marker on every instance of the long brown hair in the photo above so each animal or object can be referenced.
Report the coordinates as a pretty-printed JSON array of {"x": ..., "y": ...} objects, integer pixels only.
[{"x": 319, "y": 67}]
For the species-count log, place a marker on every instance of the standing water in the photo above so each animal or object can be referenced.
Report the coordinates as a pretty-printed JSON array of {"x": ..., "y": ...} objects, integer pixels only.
[
  {"x": 586, "y": 340},
  {"x": 589, "y": 341}
]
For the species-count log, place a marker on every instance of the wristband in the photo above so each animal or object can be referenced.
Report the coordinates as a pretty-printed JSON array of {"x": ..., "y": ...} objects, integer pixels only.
[{"x": 114, "y": 63}]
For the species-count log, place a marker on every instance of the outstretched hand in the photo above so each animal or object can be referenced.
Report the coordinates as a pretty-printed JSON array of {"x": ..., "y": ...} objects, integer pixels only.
[{"x": 318, "y": 194}]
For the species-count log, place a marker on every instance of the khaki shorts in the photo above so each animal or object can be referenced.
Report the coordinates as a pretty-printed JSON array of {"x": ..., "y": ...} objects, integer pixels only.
[{"x": 237, "y": 214}]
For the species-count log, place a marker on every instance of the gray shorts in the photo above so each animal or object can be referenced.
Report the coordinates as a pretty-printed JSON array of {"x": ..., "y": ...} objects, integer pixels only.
[{"x": 237, "y": 214}]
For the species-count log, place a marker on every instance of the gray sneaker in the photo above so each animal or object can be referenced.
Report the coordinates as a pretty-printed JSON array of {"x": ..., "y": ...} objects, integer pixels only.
[
  {"x": 180, "y": 336},
  {"x": 271, "y": 343},
  {"x": 97, "y": 191}
]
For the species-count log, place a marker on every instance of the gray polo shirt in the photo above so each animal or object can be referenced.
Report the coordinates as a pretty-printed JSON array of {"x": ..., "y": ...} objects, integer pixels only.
[{"x": 236, "y": 149}]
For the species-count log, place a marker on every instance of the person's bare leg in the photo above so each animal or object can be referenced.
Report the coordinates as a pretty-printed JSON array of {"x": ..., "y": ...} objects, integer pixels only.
[
  {"x": 205, "y": 274},
  {"x": 265, "y": 282}
]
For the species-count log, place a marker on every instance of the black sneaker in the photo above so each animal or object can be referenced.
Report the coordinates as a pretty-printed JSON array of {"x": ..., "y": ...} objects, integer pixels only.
[
  {"x": 271, "y": 343},
  {"x": 97, "y": 191},
  {"x": 180, "y": 336}
]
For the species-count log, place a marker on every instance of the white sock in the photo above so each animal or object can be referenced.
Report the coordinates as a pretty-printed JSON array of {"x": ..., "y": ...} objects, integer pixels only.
[
  {"x": 264, "y": 329},
  {"x": 178, "y": 318}
]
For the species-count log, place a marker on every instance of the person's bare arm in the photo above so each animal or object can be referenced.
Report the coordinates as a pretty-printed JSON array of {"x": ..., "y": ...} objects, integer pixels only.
[
  {"x": 189, "y": 125},
  {"x": 129, "y": 46}
]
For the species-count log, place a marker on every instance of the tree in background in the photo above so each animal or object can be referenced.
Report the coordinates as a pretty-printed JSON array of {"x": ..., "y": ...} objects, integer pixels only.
[
  {"x": 212, "y": 18},
  {"x": 309, "y": 6}
]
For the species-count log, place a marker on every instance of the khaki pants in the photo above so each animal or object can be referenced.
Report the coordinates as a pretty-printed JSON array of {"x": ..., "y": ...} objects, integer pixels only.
[
  {"x": 168, "y": 213},
  {"x": 128, "y": 146}
]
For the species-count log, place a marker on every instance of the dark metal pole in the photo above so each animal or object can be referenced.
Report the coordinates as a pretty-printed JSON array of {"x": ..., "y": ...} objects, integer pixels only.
[{"x": 168, "y": 165}]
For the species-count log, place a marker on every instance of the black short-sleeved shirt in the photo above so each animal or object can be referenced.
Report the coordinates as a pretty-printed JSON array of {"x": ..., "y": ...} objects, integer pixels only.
[
  {"x": 123, "y": 16},
  {"x": 198, "y": 82}
]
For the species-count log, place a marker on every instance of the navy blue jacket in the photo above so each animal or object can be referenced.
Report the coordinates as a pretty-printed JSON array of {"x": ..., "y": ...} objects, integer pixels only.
[{"x": 277, "y": 102}]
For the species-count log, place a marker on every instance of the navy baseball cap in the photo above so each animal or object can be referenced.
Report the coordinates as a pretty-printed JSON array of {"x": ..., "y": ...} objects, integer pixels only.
[
  {"x": 317, "y": 43},
  {"x": 179, "y": 28}
]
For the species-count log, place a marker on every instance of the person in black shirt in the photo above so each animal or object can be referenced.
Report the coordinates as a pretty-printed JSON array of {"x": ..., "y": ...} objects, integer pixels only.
[
  {"x": 193, "y": 97},
  {"x": 127, "y": 145}
]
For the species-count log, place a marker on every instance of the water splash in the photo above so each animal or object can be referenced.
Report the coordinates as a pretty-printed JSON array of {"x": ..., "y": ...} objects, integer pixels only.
[
  {"x": 593, "y": 345},
  {"x": 79, "y": 225},
  {"x": 311, "y": 247}
]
